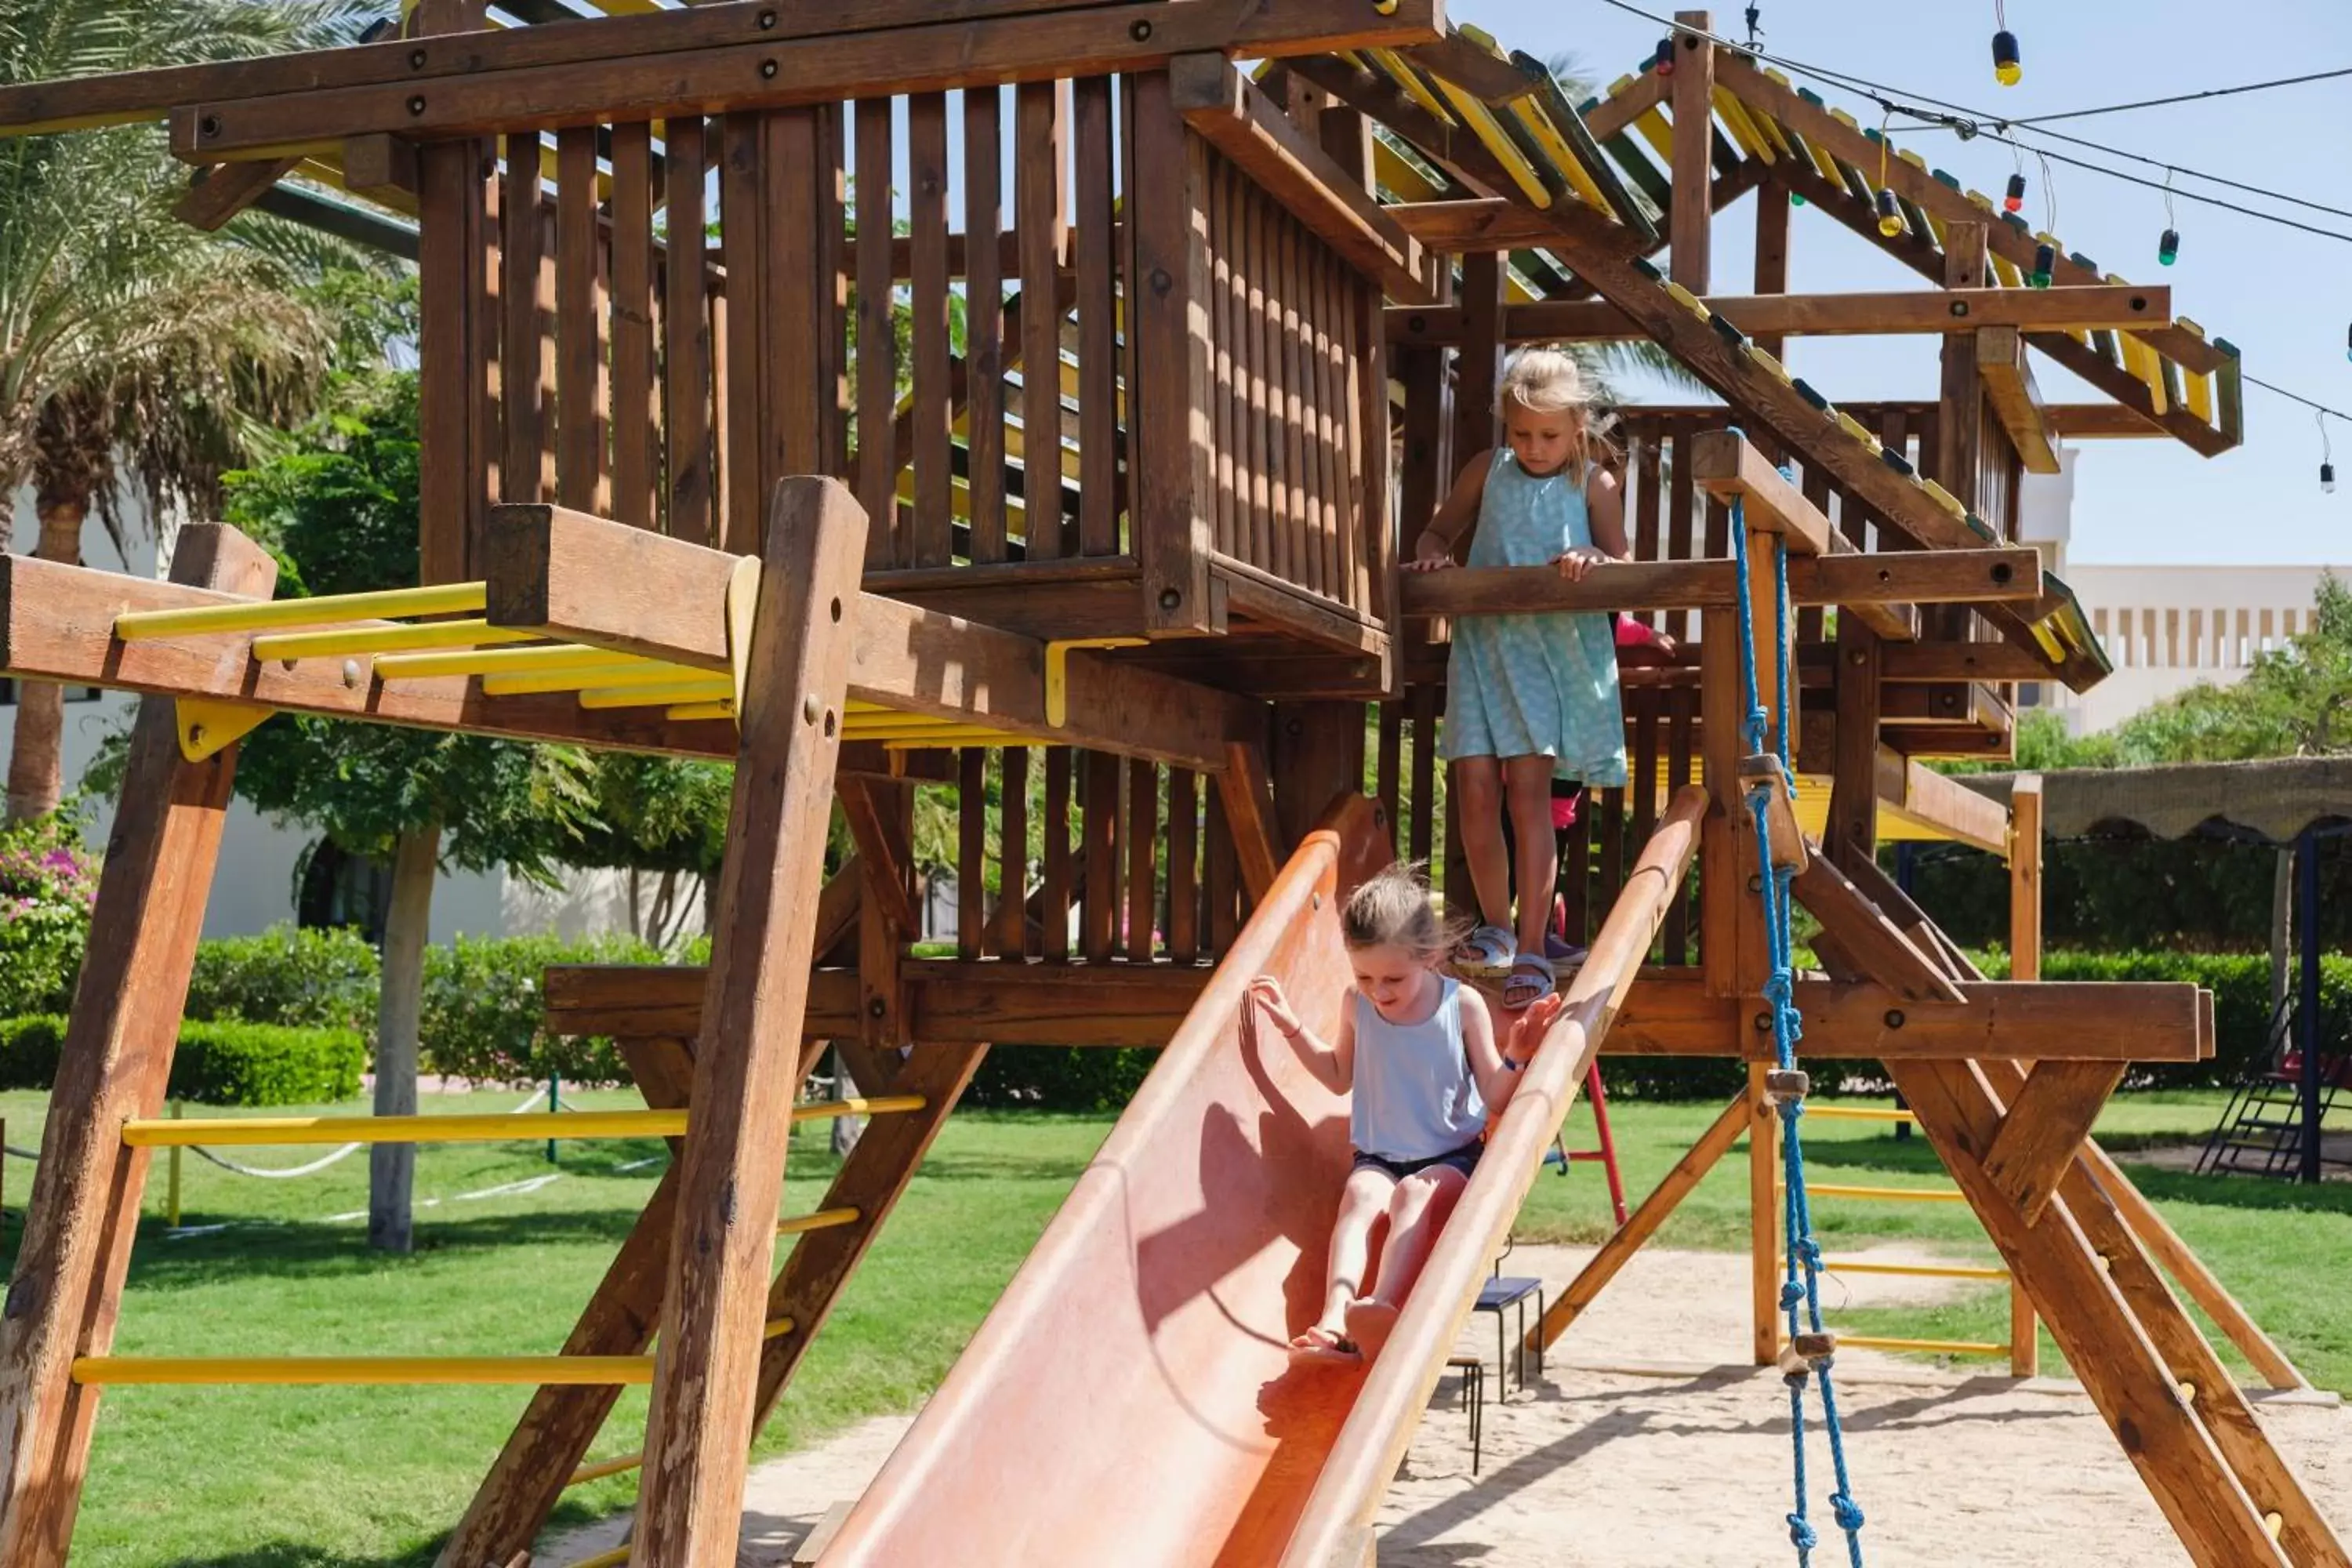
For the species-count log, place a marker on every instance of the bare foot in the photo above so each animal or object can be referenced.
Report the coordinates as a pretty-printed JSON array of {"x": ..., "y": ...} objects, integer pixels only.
[
  {"x": 1369, "y": 1323},
  {"x": 1324, "y": 1343}
]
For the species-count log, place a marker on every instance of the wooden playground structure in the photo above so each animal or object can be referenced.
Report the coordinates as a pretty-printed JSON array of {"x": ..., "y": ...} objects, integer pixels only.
[{"x": 1226, "y": 327}]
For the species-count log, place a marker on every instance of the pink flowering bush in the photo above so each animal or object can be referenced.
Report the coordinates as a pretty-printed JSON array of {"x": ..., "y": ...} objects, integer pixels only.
[{"x": 48, "y": 884}]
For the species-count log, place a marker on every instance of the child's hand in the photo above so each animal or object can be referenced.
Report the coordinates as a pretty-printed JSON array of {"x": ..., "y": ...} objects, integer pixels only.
[
  {"x": 1664, "y": 644},
  {"x": 1432, "y": 555},
  {"x": 1267, "y": 991},
  {"x": 1574, "y": 563}
]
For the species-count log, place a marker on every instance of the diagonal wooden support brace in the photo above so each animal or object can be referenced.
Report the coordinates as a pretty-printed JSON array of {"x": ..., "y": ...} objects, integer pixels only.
[
  {"x": 1878, "y": 948},
  {"x": 76, "y": 1249},
  {"x": 730, "y": 1175},
  {"x": 2047, "y": 1121},
  {"x": 2110, "y": 1350}
]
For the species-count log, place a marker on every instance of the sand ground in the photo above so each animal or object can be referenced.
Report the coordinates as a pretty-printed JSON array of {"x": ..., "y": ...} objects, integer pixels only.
[{"x": 1648, "y": 1443}]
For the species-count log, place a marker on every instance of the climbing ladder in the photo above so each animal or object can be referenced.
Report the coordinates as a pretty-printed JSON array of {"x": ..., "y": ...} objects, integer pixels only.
[{"x": 2261, "y": 1130}]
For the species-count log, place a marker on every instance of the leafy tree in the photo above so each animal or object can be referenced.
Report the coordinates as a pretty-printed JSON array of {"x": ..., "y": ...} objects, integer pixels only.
[
  {"x": 340, "y": 510},
  {"x": 2294, "y": 701},
  {"x": 138, "y": 355}
]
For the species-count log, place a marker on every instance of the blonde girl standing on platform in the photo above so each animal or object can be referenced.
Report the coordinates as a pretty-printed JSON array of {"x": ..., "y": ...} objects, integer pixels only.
[{"x": 1529, "y": 698}]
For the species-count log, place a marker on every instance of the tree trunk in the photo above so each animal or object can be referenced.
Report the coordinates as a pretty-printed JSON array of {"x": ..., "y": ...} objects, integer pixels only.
[
  {"x": 35, "y": 763},
  {"x": 391, "y": 1167}
]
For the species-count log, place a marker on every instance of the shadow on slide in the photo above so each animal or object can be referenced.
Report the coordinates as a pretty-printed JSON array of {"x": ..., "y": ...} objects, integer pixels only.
[{"x": 1130, "y": 1399}]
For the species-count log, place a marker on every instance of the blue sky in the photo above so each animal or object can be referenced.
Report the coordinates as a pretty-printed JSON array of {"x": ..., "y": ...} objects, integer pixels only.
[{"x": 2282, "y": 296}]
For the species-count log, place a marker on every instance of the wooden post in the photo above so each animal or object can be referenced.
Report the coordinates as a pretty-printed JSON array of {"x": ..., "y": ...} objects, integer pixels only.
[
  {"x": 84, "y": 1208},
  {"x": 1772, "y": 256},
  {"x": 1960, "y": 409},
  {"x": 1693, "y": 99},
  {"x": 1169, "y": 447},
  {"x": 1764, "y": 1241},
  {"x": 456, "y": 332},
  {"x": 730, "y": 1175}
]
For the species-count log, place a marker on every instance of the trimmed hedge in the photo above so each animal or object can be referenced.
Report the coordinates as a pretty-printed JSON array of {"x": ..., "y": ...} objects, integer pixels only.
[
  {"x": 1060, "y": 1077},
  {"x": 483, "y": 1011},
  {"x": 216, "y": 1064},
  {"x": 319, "y": 979}
]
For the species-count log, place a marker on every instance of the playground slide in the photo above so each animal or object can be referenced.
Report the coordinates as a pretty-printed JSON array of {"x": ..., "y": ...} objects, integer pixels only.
[{"x": 1130, "y": 1399}]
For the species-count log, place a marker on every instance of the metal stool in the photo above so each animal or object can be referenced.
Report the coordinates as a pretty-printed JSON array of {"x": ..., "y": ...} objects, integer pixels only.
[
  {"x": 1474, "y": 1396},
  {"x": 1512, "y": 1290}
]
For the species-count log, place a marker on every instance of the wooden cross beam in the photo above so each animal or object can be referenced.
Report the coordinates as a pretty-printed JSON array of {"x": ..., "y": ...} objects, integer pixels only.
[
  {"x": 2016, "y": 401},
  {"x": 852, "y": 58},
  {"x": 1454, "y": 224},
  {"x": 2056, "y": 1020},
  {"x": 2008, "y": 575}
]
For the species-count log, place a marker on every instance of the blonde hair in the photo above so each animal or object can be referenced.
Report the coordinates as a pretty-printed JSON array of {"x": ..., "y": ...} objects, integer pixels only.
[
  {"x": 1391, "y": 909},
  {"x": 1545, "y": 381}
]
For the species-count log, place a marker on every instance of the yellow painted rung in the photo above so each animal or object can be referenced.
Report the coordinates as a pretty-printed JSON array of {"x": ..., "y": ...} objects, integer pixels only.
[
  {"x": 602, "y": 1468},
  {"x": 581, "y": 1371},
  {"x": 1939, "y": 1347},
  {"x": 1858, "y": 1112},
  {"x": 355, "y": 641},
  {"x": 489, "y": 1127},
  {"x": 702, "y": 688},
  {"x": 447, "y": 599},
  {"x": 688, "y": 711},
  {"x": 1943, "y": 498},
  {"x": 1921, "y": 1270},
  {"x": 504, "y": 662},
  {"x": 578, "y": 679},
  {"x": 1498, "y": 141},
  {"x": 1887, "y": 1194},
  {"x": 614, "y": 1558},
  {"x": 823, "y": 1219}
]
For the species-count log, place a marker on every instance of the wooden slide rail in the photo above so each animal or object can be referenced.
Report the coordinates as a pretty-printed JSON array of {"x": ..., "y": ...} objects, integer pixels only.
[{"x": 1339, "y": 1513}]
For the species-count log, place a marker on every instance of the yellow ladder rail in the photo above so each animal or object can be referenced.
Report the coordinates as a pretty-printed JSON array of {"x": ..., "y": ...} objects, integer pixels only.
[{"x": 260, "y": 614}]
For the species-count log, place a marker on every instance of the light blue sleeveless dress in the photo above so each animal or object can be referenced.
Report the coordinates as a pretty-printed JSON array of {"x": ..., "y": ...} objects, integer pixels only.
[
  {"x": 1541, "y": 685},
  {"x": 1414, "y": 1097}
]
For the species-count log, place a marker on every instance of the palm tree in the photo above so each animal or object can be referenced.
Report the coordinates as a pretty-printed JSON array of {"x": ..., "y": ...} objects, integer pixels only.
[{"x": 138, "y": 355}]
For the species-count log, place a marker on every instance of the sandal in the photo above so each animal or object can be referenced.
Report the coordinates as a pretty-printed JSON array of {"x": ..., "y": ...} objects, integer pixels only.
[
  {"x": 1531, "y": 980},
  {"x": 1487, "y": 952}
]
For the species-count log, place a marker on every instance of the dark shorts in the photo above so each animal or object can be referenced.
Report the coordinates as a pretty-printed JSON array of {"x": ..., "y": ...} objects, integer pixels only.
[{"x": 1465, "y": 1160}]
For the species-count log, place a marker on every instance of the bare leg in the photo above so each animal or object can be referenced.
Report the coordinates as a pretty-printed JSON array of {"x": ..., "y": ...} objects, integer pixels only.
[
  {"x": 1527, "y": 783},
  {"x": 1423, "y": 1203},
  {"x": 1477, "y": 806},
  {"x": 1361, "y": 1202}
]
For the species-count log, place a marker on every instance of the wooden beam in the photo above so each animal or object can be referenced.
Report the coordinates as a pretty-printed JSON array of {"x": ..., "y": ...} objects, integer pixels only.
[
  {"x": 1725, "y": 466},
  {"x": 760, "y": 70},
  {"x": 2131, "y": 393},
  {"x": 1879, "y": 949},
  {"x": 1486, "y": 77},
  {"x": 1917, "y": 792},
  {"x": 532, "y": 1471},
  {"x": 588, "y": 580},
  {"x": 950, "y": 1002},
  {"x": 1692, "y": 92},
  {"x": 747, "y": 1060},
  {"x": 1940, "y": 661},
  {"x": 2047, "y": 1121},
  {"x": 2051, "y": 1020},
  {"x": 1237, "y": 117},
  {"x": 1963, "y": 576},
  {"x": 2016, "y": 401},
  {"x": 75, "y": 1251},
  {"x": 76, "y": 103},
  {"x": 2099, "y": 307},
  {"x": 1642, "y": 1222},
  {"x": 383, "y": 168},
  {"x": 1641, "y": 93},
  {"x": 220, "y": 194},
  {"x": 2100, "y": 422}
]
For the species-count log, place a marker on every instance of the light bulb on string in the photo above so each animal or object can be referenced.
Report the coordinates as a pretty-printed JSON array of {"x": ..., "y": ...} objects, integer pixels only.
[
  {"x": 2007, "y": 65},
  {"x": 2348, "y": 343},
  {"x": 1662, "y": 58},
  {"x": 2013, "y": 198},
  {"x": 1890, "y": 216},
  {"x": 2327, "y": 456},
  {"x": 2327, "y": 478},
  {"x": 2046, "y": 264},
  {"x": 2167, "y": 245}
]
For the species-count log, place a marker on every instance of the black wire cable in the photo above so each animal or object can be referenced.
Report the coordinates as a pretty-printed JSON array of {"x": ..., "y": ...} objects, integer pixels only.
[
  {"x": 2297, "y": 397},
  {"x": 1973, "y": 121},
  {"x": 2186, "y": 97}
]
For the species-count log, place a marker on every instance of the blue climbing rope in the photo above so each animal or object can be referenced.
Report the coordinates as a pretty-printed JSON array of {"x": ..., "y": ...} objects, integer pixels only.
[{"x": 1801, "y": 1287}]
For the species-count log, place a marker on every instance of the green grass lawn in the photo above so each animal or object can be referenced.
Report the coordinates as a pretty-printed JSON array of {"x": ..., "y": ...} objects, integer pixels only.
[{"x": 291, "y": 1477}]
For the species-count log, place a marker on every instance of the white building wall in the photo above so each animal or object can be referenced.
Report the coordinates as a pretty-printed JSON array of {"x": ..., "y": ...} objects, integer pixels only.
[
  {"x": 254, "y": 887},
  {"x": 2167, "y": 628}
]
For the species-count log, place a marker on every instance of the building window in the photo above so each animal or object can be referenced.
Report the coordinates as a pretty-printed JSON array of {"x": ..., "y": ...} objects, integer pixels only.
[{"x": 339, "y": 889}]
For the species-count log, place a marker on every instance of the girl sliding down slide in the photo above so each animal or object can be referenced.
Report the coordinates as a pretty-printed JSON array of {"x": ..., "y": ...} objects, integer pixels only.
[{"x": 1416, "y": 1051}]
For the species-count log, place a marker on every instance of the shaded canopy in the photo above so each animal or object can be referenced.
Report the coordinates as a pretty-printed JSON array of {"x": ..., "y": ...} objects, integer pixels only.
[{"x": 2274, "y": 799}]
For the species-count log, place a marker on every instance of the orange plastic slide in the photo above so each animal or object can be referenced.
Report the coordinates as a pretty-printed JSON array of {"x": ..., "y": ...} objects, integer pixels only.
[{"x": 1130, "y": 1399}]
